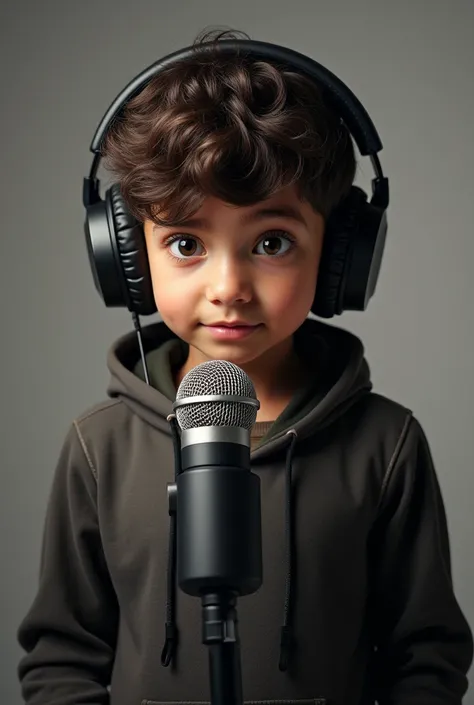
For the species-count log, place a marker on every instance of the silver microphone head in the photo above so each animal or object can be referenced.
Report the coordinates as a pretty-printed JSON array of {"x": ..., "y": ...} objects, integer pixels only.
[{"x": 216, "y": 393}]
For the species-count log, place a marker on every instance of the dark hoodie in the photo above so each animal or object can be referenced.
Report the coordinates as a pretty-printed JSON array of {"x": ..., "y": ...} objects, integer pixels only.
[{"x": 355, "y": 552}]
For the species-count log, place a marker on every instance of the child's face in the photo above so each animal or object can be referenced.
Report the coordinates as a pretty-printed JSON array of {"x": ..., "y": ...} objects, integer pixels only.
[{"x": 237, "y": 264}]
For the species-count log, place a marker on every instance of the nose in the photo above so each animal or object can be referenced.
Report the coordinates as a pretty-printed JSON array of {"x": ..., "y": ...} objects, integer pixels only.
[{"x": 229, "y": 282}]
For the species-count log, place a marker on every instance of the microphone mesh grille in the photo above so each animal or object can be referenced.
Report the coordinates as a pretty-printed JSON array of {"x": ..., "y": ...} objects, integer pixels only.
[{"x": 216, "y": 377}]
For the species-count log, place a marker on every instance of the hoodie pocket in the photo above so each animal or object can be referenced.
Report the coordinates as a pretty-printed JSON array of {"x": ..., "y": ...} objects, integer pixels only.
[{"x": 307, "y": 701}]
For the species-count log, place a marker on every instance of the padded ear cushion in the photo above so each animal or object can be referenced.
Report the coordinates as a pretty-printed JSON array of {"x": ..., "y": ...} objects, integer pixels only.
[
  {"x": 339, "y": 239},
  {"x": 128, "y": 241}
]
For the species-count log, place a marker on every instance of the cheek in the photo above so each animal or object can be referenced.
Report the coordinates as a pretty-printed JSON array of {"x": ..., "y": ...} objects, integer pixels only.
[
  {"x": 172, "y": 298},
  {"x": 290, "y": 301},
  {"x": 171, "y": 301},
  {"x": 293, "y": 293}
]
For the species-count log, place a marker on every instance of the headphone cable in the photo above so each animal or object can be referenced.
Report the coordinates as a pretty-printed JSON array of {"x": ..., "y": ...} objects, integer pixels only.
[{"x": 136, "y": 323}]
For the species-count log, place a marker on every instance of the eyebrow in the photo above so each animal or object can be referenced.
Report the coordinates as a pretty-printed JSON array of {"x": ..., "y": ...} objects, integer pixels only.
[{"x": 288, "y": 212}]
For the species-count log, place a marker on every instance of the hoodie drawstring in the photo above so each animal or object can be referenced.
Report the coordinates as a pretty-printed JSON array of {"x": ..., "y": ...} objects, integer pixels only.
[
  {"x": 171, "y": 630},
  {"x": 286, "y": 635}
]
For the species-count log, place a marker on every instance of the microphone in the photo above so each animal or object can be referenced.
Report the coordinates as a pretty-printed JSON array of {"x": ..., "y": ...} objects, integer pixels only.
[
  {"x": 218, "y": 497},
  {"x": 217, "y": 500}
]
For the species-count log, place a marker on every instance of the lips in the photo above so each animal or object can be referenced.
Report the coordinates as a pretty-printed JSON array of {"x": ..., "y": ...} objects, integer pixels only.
[
  {"x": 231, "y": 324},
  {"x": 231, "y": 330}
]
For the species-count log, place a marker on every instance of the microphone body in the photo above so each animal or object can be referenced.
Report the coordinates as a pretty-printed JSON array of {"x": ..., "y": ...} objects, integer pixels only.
[{"x": 218, "y": 513}]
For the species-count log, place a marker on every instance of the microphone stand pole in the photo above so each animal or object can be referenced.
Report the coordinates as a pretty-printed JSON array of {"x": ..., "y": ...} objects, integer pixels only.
[{"x": 220, "y": 635}]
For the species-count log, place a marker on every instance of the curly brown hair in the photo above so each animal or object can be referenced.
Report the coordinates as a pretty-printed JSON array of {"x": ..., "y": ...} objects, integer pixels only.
[{"x": 230, "y": 127}]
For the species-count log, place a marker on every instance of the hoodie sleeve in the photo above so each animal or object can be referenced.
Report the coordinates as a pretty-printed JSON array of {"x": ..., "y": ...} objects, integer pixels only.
[
  {"x": 69, "y": 632},
  {"x": 423, "y": 642}
]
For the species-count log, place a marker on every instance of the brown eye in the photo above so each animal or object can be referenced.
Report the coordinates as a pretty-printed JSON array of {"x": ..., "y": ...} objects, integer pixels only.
[
  {"x": 187, "y": 247},
  {"x": 182, "y": 247},
  {"x": 274, "y": 245}
]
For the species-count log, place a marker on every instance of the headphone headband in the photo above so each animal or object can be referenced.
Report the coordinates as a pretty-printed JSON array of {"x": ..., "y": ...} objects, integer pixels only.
[{"x": 337, "y": 93}]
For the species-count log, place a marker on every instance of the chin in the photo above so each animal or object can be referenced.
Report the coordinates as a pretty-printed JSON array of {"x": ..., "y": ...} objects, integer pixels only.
[{"x": 233, "y": 353}]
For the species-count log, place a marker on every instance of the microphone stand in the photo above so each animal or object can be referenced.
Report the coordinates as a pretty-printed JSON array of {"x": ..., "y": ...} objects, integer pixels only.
[
  {"x": 219, "y": 550},
  {"x": 220, "y": 635}
]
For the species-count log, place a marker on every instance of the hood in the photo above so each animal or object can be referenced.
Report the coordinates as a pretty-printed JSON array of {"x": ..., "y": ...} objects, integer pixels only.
[{"x": 333, "y": 354}]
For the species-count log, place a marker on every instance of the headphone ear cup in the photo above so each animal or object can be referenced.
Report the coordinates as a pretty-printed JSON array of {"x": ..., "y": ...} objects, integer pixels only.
[
  {"x": 352, "y": 253},
  {"x": 103, "y": 262},
  {"x": 117, "y": 255},
  {"x": 338, "y": 240},
  {"x": 129, "y": 245}
]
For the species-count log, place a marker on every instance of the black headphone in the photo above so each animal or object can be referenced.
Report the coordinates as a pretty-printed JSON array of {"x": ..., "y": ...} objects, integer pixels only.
[{"x": 355, "y": 231}]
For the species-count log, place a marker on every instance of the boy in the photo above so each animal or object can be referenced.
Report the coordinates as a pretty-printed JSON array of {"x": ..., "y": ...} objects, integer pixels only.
[{"x": 234, "y": 168}]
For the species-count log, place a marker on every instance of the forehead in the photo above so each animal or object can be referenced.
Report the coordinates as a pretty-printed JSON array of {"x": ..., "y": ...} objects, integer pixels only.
[
  {"x": 286, "y": 196},
  {"x": 285, "y": 204}
]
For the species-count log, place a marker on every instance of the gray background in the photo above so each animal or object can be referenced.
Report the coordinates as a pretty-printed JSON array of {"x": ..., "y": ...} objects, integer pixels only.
[{"x": 62, "y": 63}]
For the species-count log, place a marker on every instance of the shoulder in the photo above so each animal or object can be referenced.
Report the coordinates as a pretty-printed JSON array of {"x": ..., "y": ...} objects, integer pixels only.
[
  {"x": 383, "y": 412},
  {"x": 388, "y": 430},
  {"x": 379, "y": 417},
  {"x": 103, "y": 427},
  {"x": 101, "y": 417},
  {"x": 392, "y": 417},
  {"x": 394, "y": 428},
  {"x": 86, "y": 436}
]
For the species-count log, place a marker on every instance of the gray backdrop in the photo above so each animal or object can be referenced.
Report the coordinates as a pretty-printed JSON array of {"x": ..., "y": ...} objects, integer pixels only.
[{"x": 411, "y": 64}]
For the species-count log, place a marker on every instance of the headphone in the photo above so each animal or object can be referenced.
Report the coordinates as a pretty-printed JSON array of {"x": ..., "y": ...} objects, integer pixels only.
[{"x": 355, "y": 231}]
